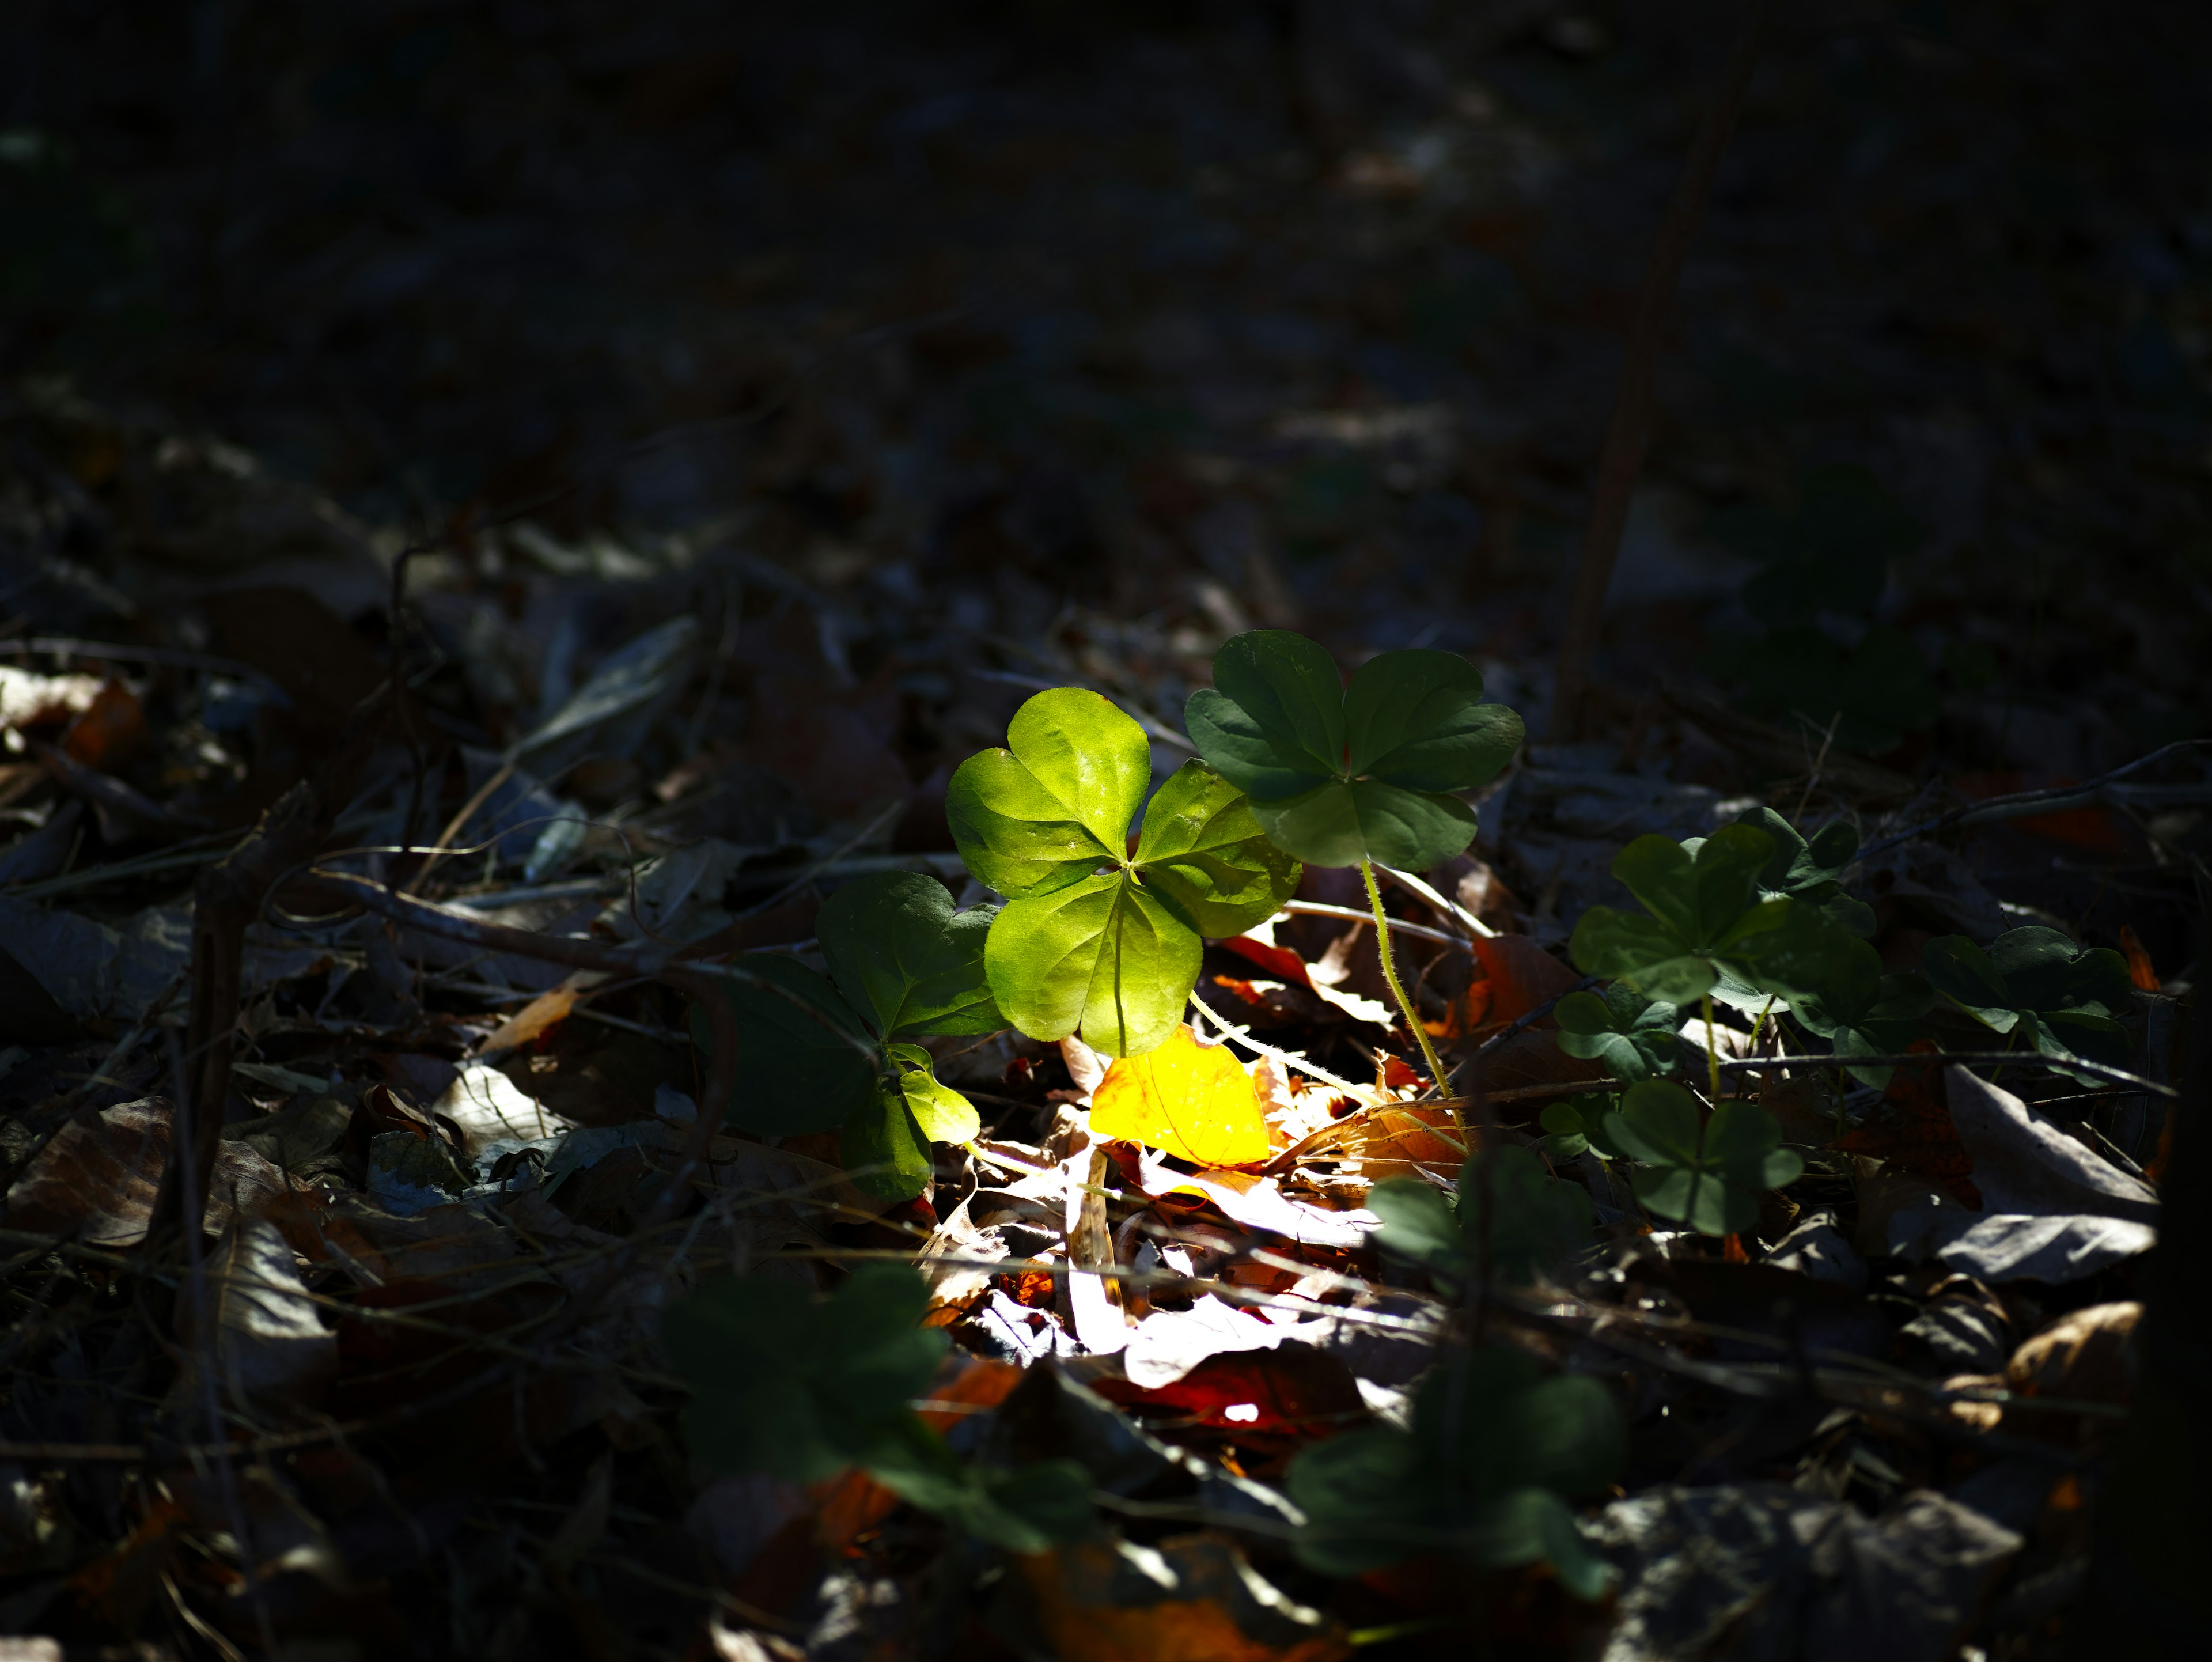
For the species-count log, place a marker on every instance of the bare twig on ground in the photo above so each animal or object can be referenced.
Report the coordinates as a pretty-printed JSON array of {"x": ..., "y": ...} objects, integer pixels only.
[{"x": 1623, "y": 456}]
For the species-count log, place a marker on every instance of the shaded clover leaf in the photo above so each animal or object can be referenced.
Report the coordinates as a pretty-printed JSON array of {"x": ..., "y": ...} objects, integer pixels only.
[
  {"x": 801, "y": 1387},
  {"x": 1578, "y": 1123},
  {"x": 1861, "y": 1011},
  {"x": 1338, "y": 774},
  {"x": 1704, "y": 913},
  {"x": 2040, "y": 984},
  {"x": 821, "y": 1054},
  {"x": 1541, "y": 1221},
  {"x": 798, "y": 1386},
  {"x": 1707, "y": 1176},
  {"x": 1637, "y": 1037},
  {"x": 1485, "y": 1472},
  {"x": 1095, "y": 940},
  {"x": 1812, "y": 869}
]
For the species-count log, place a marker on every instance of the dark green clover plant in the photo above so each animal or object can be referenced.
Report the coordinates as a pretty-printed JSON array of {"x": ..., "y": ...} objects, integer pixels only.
[
  {"x": 1539, "y": 1220},
  {"x": 803, "y": 1388},
  {"x": 1357, "y": 775},
  {"x": 1096, "y": 939},
  {"x": 1862, "y": 1011},
  {"x": 1496, "y": 1450},
  {"x": 2036, "y": 983},
  {"x": 1706, "y": 918},
  {"x": 1811, "y": 870},
  {"x": 837, "y": 1054},
  {"x": 1708, "y": 1176}
]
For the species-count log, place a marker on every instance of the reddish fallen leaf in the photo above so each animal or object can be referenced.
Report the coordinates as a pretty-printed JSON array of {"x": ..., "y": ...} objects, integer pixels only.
[
  {"x": 1911, "y": 1129},
  {"x": 1521, "y": 973},
  {"x": 1278, "y": 961},
  {"x": 1274, "y": 1398},
  {"x": 110, "y": 728},
  {"x": 2141, "y": 973}
]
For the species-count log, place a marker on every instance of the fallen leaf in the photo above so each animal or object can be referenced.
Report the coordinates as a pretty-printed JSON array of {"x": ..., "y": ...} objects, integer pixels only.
[
  {"x": 265, "y": 1341},
  {"x": 1187, "y": 1098},
  {"x": 1912, "y": 1129},
  {"x": 2025, "y": 1164},
  {"x": 1188, "y": 1598},
  {"x": 1521, "y": 975},
  {"x": 109, "y": 728},
  {"x": 98, "y": 1180}
]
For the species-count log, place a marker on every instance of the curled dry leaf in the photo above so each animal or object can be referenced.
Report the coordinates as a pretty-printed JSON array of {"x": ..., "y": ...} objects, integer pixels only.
[{"x": 97, "y": 1180}]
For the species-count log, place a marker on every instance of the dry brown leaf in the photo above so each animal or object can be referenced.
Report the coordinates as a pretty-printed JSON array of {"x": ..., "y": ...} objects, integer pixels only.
[{"x": 98, "y": 1180}]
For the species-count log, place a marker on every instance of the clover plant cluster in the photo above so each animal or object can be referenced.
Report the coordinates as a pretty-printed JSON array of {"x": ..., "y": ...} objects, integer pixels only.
[{"x": 1755, "y": 917}]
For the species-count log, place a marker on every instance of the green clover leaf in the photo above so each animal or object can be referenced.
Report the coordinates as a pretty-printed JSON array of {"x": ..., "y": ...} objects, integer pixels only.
[
  {"x": 1575, "y": 1124},
  {"x": 802, "y": 1387},
  {"x": 2057, "y": 993},
  {"x": 1093, "y": 939},
  {"x": 899, "y": 950},
  {"x": 1703, "y": 916},
  {"x": 1541, "y": 1221},
  {"x": 1337, "y": 774},
  {"x": 1708, "y": 1176},
  {"x": 821, "y": 1054},
  {"x": 1860, "y": 1011},
  {"x": 797, "y": 1386},
  {"x": 1495, "y": 1450},
  {"x": 1811, "y": 870},
  {"x": 1637, "y": 1037}
]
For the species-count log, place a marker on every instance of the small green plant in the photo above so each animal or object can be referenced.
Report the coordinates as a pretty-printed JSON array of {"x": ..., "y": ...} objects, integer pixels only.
[
  {"x": 837, "y": 1055},
  {"x": 803, "y": 1388},
  {"x": 1539, "y": 1220},
  {"x": 1357, "y": 775},
  {"x": 1709, "y": 1175},
  {"x": 1637, "y": 1037},
  {"x": 1706, "y": 918},
  {"x": 1097, "y": 939},
  {"x": 2037, "y": 984},
  {"x": 1811, "y": 870},
  {"x": 1861, "y": 1011},
  {"x": 1496, "y": 1450}
]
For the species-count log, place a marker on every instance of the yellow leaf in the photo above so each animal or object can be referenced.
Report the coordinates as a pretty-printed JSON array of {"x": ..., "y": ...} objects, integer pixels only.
[{"x": 1186, "y": 1099}]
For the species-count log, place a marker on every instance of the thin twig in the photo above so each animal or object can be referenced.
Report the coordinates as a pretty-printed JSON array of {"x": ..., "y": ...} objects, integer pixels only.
[
  {"x": 2050, "y": 801},
  {"x": 1976, "y": 1058},
  {"x": 1623, "y": 456}
]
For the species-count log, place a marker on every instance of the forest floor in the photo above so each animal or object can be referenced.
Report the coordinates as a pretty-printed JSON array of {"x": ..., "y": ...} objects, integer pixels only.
[{"x": 725, "y": 423}]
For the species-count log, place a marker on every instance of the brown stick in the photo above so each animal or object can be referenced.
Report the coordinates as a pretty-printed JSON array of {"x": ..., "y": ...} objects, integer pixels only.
[
  {"x": 1623, "y": 456},
  {"x": 228, "y": 897}
]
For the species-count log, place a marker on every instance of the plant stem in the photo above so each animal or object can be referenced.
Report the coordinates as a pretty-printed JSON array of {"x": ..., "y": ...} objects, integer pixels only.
[
  {"x": 1712, "y": 1055},
  {"x": 1398, "y": 990}
]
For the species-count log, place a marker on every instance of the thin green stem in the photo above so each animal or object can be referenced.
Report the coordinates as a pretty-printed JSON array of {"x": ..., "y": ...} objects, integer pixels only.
[
  {"x": 1712, "y": 1055},
  {"x": 1398, "y": 990}
]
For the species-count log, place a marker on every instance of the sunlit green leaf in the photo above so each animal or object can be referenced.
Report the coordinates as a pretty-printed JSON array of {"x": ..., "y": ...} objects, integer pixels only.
[
  {"x": 1204, "y": 854},
  {"x": 883, "y": 1148},
  {"x": 1104, "y": 958},
  {"x": 943, "y": 1114}
]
